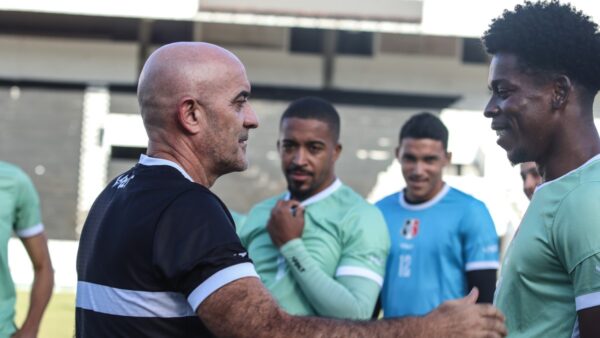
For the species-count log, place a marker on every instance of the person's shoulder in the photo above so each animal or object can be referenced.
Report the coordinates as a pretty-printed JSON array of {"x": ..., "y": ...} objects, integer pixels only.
[
  {"x": 354, "y": 205},
  {"x": 582, "y": 195},
  {"x": 12, "y": 170},
  {"x": 460, "y": 196},
  {"x": 266, "y": 204},
  {"x": 391, "y": 199}
]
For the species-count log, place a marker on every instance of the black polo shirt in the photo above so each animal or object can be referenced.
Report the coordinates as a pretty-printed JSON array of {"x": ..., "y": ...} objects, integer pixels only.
[{"x": 154, "y": 246}]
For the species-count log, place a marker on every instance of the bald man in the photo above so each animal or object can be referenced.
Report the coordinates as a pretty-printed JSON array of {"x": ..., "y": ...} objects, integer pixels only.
[{"x": 159, "y": 256}]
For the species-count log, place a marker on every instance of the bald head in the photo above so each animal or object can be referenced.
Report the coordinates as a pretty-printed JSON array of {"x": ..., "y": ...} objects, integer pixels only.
[{"x": 182, "y": 69}]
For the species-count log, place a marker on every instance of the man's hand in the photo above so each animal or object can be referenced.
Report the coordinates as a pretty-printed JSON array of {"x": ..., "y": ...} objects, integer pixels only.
[
  {"x": 462, "y": 318},
  {"x": 286, "y": 222}
]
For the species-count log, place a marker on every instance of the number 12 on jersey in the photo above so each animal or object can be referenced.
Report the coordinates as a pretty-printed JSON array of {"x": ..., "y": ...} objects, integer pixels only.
[{"x": 404, "y": 266}]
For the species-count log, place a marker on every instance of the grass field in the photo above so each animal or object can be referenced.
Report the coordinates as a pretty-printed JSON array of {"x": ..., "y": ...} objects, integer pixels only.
[{"x": 59, "y": 320}]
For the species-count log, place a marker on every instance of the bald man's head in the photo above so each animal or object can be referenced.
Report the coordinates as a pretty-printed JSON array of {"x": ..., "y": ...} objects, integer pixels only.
[
  {"x": 177, "y": 70},
  {"x": 193, "y": 98}
]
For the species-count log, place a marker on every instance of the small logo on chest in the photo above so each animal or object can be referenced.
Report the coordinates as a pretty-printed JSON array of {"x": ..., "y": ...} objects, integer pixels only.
[{"x": 410, "y": 229}]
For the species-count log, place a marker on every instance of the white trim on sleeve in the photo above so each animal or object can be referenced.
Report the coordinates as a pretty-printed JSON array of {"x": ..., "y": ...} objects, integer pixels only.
[
  {"x": 359, "y": 272},
  {"x": 218, "y": 280},
  {"x": 131, "y": 303},
  {"x": 31, "y": 231},
  {"x": 587, "y": 301},
  {"x": 482, "y": 265}
]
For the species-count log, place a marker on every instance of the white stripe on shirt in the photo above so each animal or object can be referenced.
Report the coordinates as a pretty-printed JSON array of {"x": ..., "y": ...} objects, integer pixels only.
[
  {"x": 218, "y": 280},
  {"x": 131, "y": 303},
  {"x": 482, "y": 265},
  {"x": 359, "y": 272},
  {"x": 587, "y": 301}
]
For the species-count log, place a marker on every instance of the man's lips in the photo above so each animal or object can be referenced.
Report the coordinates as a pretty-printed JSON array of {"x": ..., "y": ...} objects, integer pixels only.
[
  {"x": 298, "y": 175},
  {"x": 501, "y": 129}
]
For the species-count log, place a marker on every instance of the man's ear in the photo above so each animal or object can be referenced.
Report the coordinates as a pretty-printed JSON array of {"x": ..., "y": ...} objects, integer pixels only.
[
  {"x": 189, "y": 115},
  {"x": 561, "y": 90},
  {"x": 449, "y": 157},
  {"x": 278, "y": 145},
  {"x": 397, "y": 152},
  {"x": 337, "y": 151}
]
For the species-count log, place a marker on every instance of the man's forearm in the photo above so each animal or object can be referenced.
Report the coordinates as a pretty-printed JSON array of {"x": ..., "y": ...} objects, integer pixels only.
[
  {"x": 328, "y": 296},
  {"x": 265, "y": 319},
  {"x": 41, "y": 291}
]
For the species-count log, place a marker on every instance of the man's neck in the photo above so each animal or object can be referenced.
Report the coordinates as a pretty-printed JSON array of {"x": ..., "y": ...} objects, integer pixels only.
[
  {"x": 577, "y": 147},
  {"x": 192, "y": 167}
]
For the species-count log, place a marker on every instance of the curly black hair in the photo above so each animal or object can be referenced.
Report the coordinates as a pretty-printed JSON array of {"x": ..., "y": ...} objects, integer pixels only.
[{"x": 550, "y": 37}]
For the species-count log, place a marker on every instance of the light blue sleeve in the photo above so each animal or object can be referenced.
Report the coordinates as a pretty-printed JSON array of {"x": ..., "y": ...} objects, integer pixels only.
[{"x": 480, "y": 241}]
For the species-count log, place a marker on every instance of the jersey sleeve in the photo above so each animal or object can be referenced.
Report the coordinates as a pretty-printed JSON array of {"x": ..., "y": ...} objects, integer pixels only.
[
  {"x": 576, "y": 237},
  {"x": 480, "y": 241},
  {"x": 196, "y": 247},
  {"x": 27, "y": 210},
  {"x": 365, "y": 244}
]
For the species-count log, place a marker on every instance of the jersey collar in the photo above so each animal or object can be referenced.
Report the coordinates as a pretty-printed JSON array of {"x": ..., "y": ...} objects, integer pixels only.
[
  {"x": 320, "y": 196},
  {"x": 152, "y": 161},
  {"x": 597, "y": 157},
  {"x": 424, "y": 205}
]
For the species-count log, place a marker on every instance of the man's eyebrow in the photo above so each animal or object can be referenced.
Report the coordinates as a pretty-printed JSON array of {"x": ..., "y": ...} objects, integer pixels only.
[{"x": 243, "y": 94}]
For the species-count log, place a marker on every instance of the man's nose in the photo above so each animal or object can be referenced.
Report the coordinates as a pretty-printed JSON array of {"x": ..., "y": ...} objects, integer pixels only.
[{"x": 250, "y": 118}]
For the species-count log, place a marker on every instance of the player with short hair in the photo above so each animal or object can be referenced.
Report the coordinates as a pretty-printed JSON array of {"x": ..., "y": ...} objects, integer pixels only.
[
  {"x": 443, "y": 241},
  {"x": 327, "y": 256}
]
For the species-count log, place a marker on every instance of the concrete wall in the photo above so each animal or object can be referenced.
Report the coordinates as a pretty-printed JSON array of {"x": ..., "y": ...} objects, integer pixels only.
[{"x": 40, "y": 132}]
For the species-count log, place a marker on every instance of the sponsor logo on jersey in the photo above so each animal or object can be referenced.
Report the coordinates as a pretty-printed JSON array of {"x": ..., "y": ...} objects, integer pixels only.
[
  {"x": 122, "y": 181},
  {"x": 375, "y": 260},
  {"x": 410, "y": 229}
]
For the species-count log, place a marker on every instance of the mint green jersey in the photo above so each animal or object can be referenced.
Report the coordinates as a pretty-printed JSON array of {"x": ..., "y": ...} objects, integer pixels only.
[
  {"x": 19, "y": 212},
  {"x": 343, "y": 233},
  {"x": 552, "y": 267}
]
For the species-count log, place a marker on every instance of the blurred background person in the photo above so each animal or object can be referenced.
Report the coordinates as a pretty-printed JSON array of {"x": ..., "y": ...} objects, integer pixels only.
[
  {"x": 320, "y": 248},
  {"x": 531, "y": 178},
  {"x": 444, "y": 241},
  {"x": 20, "y": 212}
]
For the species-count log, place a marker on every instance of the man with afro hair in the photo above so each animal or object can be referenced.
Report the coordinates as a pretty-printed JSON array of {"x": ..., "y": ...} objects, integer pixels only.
[{"x": 544, "y": 75}]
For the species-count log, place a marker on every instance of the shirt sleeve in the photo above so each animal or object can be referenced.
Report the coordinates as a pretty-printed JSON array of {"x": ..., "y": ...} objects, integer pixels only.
[
  {"x": 480, "y": 241},
  {"x": 343, "y": 297},
  {"x": 586, "y": 283},
  {"x": 576, "y": 237},
  {"x": 365, "y": 244},
  {"x": 196, "y": 247},
  {"x": 27, "y": 209}
]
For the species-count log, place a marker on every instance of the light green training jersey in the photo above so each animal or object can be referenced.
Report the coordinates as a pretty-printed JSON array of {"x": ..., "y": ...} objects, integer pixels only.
[
  {"x": 19, "y": 212},
  {"x": 552, "y": 267},
  {"x": 343, "y": 233}
]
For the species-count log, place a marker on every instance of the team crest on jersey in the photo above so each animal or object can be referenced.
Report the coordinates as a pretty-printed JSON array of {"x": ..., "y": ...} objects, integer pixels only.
[{"x": 410, "y": 228}]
